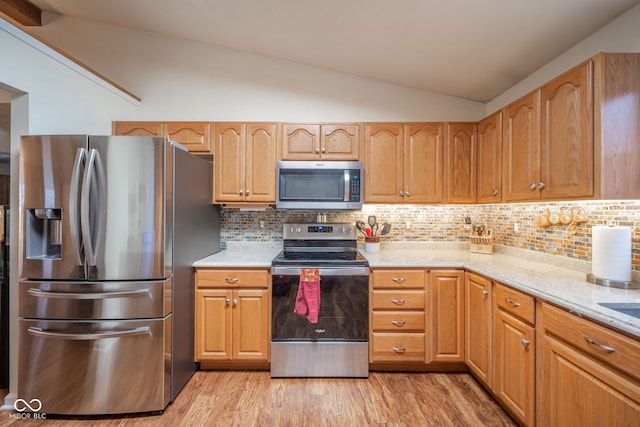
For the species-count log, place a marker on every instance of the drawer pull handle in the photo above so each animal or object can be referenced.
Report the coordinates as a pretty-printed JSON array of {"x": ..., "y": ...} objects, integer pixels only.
[
  {"x": 231, "y": 279},
  {"x": 525, "y": 342},
  {"x": 399, "y": 279},
  {"x": 398, "y": 301},
  {"x": 399, "y": 350},
  {"x": 398, "y": 322},
  {"x": 485, "y": 292},
  {"x": 597, "y": 344},
  {"x": 512, "y": 302}
]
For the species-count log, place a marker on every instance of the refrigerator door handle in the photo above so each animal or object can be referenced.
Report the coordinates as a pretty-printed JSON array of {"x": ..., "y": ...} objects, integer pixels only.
[
  {"x": 145, "y": 330},
  {"x": 91, "y": 242},
  {"x": 39, "y": 293},
  {"x": 74, "y": 222}
]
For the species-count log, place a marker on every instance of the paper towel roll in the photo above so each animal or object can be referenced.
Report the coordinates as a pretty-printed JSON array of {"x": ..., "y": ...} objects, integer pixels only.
[{"x": 611, "y": 250}]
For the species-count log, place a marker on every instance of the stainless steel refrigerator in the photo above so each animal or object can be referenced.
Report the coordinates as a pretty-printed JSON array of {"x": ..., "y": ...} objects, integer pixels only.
[{"x": 109, "y": 229}]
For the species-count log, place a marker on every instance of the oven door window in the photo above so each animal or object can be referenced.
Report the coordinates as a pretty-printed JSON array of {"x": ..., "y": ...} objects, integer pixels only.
[
  {"x": 343, "y": 315},
  {"x": 299, "y": 185}
]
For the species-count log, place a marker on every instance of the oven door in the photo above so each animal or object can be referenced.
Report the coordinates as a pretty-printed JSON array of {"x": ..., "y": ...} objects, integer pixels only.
[{"x": 344, "y": 306}]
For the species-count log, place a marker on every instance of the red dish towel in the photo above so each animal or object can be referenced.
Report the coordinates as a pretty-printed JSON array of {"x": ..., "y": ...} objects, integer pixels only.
[{"x": 308, "y": 297}]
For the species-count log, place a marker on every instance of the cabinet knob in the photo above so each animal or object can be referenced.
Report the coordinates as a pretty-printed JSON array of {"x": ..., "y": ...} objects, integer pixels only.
[
  {"x": 227, "y": 301},
  {"x": 323, "y": 150},
  {"x": 246, "y": 192},
  {"x": 525, "y": 342},
  {"x": 398, "y": 301},
  {"x": 406, "y": 193},
  {"x": 317, "y": 151},
  {"x": 241, "y": 192},
  {"x": 485, "y": 292},
  {"x": 235, "y": 301},
  {"x": 495, "y": 192},
  {"x": 533, "y": 186},
  {"x": 399, "y": 350},
  {"x": 541, "y": 185},
  {"x": 402, "y": 193}
]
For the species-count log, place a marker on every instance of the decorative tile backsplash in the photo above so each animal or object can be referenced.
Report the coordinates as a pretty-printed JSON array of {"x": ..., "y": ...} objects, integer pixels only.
[{"x": 445, "y": 223}]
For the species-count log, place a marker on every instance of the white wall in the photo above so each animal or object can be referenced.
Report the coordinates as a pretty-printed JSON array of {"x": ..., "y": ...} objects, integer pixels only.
[
  {"x": 183, "y": 80},
  {"x": 620, "y": 35}
]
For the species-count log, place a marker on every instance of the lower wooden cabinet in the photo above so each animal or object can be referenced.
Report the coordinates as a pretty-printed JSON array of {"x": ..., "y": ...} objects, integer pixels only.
[
  {"x": 591, "y": 374},
  {"x": 478, "y": 330},
  {"x": 446, "y": 316},
  {"x": 397, "y": 316},
  {"x": 232, "y": 315}
]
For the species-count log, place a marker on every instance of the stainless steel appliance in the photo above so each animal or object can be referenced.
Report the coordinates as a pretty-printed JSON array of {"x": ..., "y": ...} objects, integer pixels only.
[
  {"x": 338, "y": 344},
  {"x": 110, "y": 227},
  {"x": 319, "y": 185}
]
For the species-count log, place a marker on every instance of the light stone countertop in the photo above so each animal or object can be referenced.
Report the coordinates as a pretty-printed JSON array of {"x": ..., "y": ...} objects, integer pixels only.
[{"x": 556, "y": 279}]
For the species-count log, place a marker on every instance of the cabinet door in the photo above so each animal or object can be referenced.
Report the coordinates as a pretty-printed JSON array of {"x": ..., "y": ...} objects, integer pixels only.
[
  {"x": 340, "y": 142},
  {"x": 490, "y": 159},
  {"x": 193, "y": 135},
  {"x": 229, "y": 162},
  {"x": 138, "y": 128},
  {"x": 514, "y": 366},
  {"x": 423, "y": 162},
  {"x": 577, "y": 391},
  {"x": 251, "y": 333},
  {"x": 521, "y": 145},
  {"x": 446, "y": 314},
  {"x": 566, "y": 138},
  {"x": 461, "y": 162},
  {"x": 300, "y": 142},
  {"x": 213, "y": 324},
  {"x": 478, "y": 327},
  {"x": 384, "y": 170},
  {"x": 260, "y": 167}
]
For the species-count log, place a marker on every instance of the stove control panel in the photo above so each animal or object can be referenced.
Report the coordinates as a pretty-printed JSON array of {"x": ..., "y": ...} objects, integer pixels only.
[{"x": 319, "y": 231}]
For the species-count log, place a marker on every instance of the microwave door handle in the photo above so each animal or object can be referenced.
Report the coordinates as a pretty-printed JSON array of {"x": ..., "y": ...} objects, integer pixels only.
[
  {"x": 74, "y": 223},
  {"x": 92, "y": 243},
  {"x": 347, "y": 184}
]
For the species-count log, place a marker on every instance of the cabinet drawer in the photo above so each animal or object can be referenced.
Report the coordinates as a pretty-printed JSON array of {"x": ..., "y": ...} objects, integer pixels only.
[
  {"x": 232, "y": 278},
  {"x": 398, "y": 279},
  {"x": 398, "y": 300},
  {"x": 398, "y": 321},
  {"x": 600, "y": 342},
  {"x": 407, "y": 347},
  {"x": 515, "y": 302}
]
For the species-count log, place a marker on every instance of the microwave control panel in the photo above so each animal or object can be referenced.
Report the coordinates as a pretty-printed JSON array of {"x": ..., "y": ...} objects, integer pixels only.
[{"x": 354, "y": 193}]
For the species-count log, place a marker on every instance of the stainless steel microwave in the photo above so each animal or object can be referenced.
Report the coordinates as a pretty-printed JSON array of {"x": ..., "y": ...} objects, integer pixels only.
[{"x": 319, "y": 185}]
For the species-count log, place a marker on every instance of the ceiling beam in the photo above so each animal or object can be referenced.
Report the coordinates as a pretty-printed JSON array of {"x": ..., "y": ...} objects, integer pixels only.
[{"x": 22, "y": 11}]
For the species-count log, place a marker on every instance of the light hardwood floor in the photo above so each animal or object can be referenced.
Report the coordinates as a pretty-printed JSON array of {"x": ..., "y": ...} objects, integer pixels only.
[{"x": 252, "y": 398}]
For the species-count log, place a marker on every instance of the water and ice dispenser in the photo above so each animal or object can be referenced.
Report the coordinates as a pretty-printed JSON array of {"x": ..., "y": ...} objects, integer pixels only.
[{"x": 44, "y": 233}]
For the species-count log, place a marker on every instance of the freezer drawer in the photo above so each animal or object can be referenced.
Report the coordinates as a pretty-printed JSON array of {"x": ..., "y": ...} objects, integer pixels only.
[
  {"x": 93, "y": 368},
  {"x": 100, "y": 301}
]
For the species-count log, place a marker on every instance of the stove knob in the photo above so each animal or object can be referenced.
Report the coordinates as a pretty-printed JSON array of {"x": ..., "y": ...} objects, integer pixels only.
[
  {"x": 348, "y": 230},
  {"x": 291, "y": 229},
  {"x": 341, "y": 230},
  {"x": 298, "y": 229}
]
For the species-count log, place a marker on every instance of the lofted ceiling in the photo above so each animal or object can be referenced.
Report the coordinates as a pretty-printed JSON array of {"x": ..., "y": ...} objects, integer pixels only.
[{"x": 472, "y": 49}]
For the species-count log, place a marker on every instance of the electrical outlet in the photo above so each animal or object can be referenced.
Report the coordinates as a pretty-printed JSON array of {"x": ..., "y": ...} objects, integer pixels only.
[
  {"x": 516, "y": 227},
  {"x": 467, "y": 220},
  {"x": 407, "y": 226},
  {"x": 261, "y": 224}
]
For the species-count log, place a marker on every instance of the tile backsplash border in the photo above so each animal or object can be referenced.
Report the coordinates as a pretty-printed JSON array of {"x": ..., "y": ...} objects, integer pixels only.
[{"x": 446, "y": 223}]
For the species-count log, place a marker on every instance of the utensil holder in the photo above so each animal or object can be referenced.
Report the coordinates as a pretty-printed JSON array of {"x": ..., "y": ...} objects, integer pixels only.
[{"x": 372, "y": 244}]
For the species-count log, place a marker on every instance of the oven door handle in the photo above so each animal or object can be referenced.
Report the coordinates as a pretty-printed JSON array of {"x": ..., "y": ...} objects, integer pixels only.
[{"x": 340, "y": 271}]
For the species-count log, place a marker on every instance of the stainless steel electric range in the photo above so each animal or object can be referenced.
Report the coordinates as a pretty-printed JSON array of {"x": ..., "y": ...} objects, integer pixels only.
[{"x": 337, "y": 345}]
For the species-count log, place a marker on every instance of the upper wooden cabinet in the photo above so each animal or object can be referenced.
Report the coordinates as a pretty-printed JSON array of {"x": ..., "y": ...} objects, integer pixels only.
[
  {"x": 196, "y": 136},
  {"x": 617, "y": 125},
  {"x": 521, "y": 148},
  {"x": 490, "y": 159},
  {"x": 244, "y": 162},
  {"x": 320, "y": 141},
  {"x": 461, "y": 162},
  {"x": 566, "y": 134},
  {"x": 404, "y": 163},
  {"x": 138, "y": 128}
]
